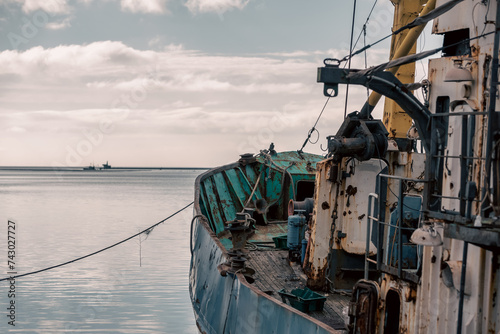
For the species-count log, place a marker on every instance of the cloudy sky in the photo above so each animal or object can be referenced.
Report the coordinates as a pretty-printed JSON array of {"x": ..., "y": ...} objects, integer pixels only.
[{"x": 170, "y": 82}]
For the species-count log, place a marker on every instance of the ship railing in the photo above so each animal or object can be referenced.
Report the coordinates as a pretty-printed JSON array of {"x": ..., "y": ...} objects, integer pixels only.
[
  {"x": 466, "y": 157},
  {"x": 374, "y": 218},
  {"x": 370, "y": 218}
]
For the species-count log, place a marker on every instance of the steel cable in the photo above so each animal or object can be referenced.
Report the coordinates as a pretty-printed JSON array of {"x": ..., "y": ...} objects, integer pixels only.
[{"x": 147, "y": 231}]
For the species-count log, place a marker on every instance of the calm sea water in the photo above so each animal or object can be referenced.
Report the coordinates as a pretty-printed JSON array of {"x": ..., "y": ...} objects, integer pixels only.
[{"x": 140, "y": 286}]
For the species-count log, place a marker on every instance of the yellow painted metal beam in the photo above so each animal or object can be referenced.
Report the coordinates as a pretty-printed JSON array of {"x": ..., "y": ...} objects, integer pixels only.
[{"x": 395, "y": 119}]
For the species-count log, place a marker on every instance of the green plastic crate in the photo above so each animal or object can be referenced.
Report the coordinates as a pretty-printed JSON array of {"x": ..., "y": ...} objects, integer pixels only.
[
  {"x": 280, "y": 241},
  {"x": 304, "y": 300}
]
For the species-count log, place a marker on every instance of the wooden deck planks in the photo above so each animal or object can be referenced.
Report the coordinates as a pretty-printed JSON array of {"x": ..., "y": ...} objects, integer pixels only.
[{"x": 273, "y": 273}]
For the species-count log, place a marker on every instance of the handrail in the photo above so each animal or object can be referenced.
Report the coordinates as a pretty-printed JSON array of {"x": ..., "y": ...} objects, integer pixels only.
[
  {"x": 369, "y": 220},
  {"x": 382, "y": 265},
  {"x": 396, "y": 177},
  {"x": 459, "y": 113},
  {"x": 400, "y": 235},
  {"x": 456, "y": 157}
]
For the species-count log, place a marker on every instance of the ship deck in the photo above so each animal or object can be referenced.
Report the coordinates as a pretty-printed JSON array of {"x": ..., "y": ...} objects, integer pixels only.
[{"x": 274, "y": 272}]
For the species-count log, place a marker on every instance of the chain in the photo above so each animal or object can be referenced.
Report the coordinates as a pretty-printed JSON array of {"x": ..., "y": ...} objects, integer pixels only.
[{"x": 330, "y": 285}]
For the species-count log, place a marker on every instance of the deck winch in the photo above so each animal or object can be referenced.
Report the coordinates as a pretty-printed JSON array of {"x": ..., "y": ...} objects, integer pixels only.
[
  {"x": 306, "y": 206},
  {"x": 359, "y": 138},
  {"x": 240, "y": 229}
]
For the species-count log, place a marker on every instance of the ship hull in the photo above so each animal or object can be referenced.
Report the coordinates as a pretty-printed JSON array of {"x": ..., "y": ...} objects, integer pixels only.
[{"x": 230, "y": 304}]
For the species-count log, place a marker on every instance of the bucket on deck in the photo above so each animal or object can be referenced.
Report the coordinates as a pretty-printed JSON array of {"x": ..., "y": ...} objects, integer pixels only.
[
  {"x": 280, "y": 241},
  {"x": 304, "y": 300}
]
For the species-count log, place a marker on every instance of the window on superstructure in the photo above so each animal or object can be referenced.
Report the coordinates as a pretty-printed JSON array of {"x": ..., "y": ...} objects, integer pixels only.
[
  {"x": 392, "y": 312},
  {"x": 439, "y": 142},
  {"x": 305, "y": 189},
  {"x": 456, "y": 43}
]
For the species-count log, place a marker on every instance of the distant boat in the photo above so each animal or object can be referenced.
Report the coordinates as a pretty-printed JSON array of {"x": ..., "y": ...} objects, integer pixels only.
[
  {"x": 90, "y": 167},
  {"x": 106, "y": 166}
]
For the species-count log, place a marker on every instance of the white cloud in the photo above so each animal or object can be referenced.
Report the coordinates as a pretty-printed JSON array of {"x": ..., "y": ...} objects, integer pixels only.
[
  {"x": 114, "y": 65},
  {"x": 59, "y": 25},
  {"x": 16, "y": 129},
  {"x": 215, "y": 6},
  {"x": 113, "y": 68},
  {"x": 166, "y": 96},
  {"x": 63, "y": 7},
  {"x": 48, "y": 6},
  {"x": 155, "y": 41},
  {"x": 144, "y": 6},
  {"x": 100, "y": 58}
]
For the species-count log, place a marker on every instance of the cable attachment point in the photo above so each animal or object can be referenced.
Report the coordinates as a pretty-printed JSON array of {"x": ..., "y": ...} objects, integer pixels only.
[{"x": 331, "y": 62}]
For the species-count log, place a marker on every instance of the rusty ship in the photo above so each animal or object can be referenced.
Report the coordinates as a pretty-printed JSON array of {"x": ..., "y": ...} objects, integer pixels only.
[{"x": 396, "y": 229}]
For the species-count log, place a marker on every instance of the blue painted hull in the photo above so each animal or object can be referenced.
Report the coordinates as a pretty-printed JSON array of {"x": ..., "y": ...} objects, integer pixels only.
[{"x": 231, "y": 305}]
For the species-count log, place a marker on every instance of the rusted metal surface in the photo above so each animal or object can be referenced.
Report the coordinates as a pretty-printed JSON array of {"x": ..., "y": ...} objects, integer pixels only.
[
  {"x": 357, "y": 187},
  {"x": 262, "y": 182},
  {"x": 432, "y": 305},
  {"x": 304, "y": 163},
  {"x": 426, "y": 300},
  {"x": 200, "y": 328},
  {"x": 322, "y": 224},
  {"x": 363, "y": 307},
  {"x": 449, "y": 22},
  {"x": 339, "y": 222},
  {"x": 482, "y": 236},
  {"x": 230, "y": 304},
  {"x": 493, "y": 305}
]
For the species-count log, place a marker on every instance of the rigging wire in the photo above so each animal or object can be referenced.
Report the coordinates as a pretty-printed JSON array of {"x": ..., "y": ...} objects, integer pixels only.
[
  {"x": 364, "y": 25},
  {"x": 421, "y": 42},
  {"x": 313, "y": 129},
  {"x": 397, "y": 62},
  {"x": 366, "y": 62},
  {"x": 416, "y": 22},
  {"x": 363, "y": 32},
  {"x": 486, "y": 17},
  {"x": 146, "y": 231},
  {"x": 363, "y": 49},
  {"x": 472, "y": 14},
  {"x": 412, "y": 58},
  {"x": 403, "y": 60},
  {"x": 314, "y": 126},
  {"x": 350, "y": 57}
]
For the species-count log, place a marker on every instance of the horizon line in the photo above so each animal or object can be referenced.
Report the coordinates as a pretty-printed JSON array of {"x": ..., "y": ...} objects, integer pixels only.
[{"x": 97, "y": 168}]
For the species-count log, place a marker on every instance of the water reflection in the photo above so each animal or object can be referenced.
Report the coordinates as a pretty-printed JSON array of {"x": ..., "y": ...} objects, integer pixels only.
[{"x": 136, "y": 287}]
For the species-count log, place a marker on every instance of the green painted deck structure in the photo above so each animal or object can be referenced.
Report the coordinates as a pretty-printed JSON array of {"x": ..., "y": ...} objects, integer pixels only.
[{"x": 285, "y": 175}]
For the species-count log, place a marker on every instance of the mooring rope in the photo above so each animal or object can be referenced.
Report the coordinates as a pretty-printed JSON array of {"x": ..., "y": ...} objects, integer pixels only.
[
  {"x": 191, "y": 229},
  {"x": 147, "y": 231}
]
